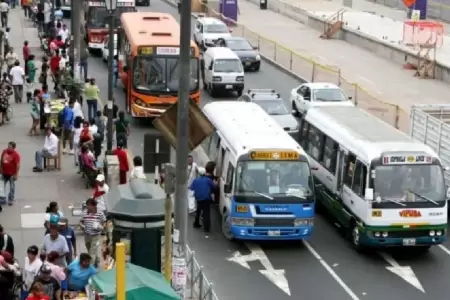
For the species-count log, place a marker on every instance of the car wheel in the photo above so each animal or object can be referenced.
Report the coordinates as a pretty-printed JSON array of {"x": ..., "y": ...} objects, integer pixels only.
[
  {"x": 257, "y": 68},
  {"x": 355, "y": 237},
  {"x": 226, "y": 226}
]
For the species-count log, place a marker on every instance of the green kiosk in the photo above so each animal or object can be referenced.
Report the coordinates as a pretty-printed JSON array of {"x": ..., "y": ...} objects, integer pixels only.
[{"x": 136, "y": 210}]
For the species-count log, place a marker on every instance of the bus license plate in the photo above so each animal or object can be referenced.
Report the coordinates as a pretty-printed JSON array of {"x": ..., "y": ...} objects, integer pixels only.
[
  {"x": 228, "y": 86},
  {"x": 274, "y": 233},
  {"x": 409, "y": 242},
  {"x": 247, "y": 63}
]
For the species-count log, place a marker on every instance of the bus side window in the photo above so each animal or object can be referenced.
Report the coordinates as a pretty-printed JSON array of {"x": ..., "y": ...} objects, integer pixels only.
[
  {"x": 304, "y": 134},
  {"x": 220, "y": 160},
  {"x": 214, "y": 147},
  {"x": 349, "y": 170},
  {"x": 315, "y": 143},
  {"x": 359, "y": 180},
  {"x": 329, "y": 158},
  {"x": 229, "y": 179}
]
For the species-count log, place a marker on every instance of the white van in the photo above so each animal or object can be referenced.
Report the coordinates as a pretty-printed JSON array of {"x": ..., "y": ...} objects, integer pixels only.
[{"x": 222, "y": 70}]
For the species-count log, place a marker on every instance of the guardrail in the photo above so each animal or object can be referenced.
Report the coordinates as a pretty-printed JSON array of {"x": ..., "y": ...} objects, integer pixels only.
[{"x": 309, "y": 70}]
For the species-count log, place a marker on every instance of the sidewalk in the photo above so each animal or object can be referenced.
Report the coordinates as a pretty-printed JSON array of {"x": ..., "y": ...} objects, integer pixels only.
[
  {"x": 24, "y": 221},
  {"x": 386, "y": 80}
]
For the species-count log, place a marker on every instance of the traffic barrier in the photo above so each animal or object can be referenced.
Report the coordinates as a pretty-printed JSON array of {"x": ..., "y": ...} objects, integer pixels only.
[{"x": 309, "y": 70}]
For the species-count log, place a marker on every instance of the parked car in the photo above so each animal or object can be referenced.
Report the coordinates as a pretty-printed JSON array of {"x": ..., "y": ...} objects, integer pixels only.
[
  {"x": 105, "y": 50},
  {"x": 249, "y": 55},
  {"x": 308, "y": 95},
  {"x": 273, "y": 104},
  {"x": 208, "y": 30}
]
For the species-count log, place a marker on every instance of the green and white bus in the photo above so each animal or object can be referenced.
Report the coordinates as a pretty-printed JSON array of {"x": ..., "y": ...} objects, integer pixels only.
[{"x": 382, "y": 187}]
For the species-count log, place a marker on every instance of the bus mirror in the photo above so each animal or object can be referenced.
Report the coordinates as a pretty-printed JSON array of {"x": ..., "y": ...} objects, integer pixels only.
[
  {"x": 448, "y": 193},
  {"x": 368, "y": 194},
  {"x": 446, "y": 168},
  {"x": 227, "y": 188},
  {"x": 210, "y": 67}
]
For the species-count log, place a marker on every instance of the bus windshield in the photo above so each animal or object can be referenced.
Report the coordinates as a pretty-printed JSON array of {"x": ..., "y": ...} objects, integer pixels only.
[
  {"x": 274, "y": 180},
  {"x": 98, "y": 16},
  {"x": 161, "y": 74},
  {"x": 410, "y": 183}
]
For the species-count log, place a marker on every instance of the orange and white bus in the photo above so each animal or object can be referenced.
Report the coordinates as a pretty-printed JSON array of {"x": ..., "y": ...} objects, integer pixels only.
[{"x": 149, "y": 63}]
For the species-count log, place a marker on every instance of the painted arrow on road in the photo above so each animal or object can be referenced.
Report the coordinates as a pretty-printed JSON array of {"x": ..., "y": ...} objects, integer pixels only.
[
  {"x": 275, "y": 276},
  {"x": 405, "y": 272}
]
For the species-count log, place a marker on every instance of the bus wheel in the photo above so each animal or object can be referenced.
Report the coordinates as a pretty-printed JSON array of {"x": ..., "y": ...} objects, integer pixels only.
[
  {"x": 226, "y": 226},
  {"x": 355, "y": 237}
]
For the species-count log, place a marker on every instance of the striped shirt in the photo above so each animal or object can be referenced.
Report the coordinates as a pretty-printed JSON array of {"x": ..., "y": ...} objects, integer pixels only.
[{"x": 93, "y": 223}]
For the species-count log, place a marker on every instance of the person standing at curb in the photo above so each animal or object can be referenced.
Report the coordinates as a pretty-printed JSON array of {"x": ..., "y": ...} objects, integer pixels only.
[
  {"x": 11, "y": 57},
  {"x": 18, "y": 76},
  {"x": 4, "y": 8},
  {"x": 9, "y": 167},
  {"x": 91, "y": 93}
]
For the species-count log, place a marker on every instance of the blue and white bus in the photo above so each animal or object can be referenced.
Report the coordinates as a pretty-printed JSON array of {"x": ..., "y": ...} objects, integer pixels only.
[{"x": 266, "y": 185}]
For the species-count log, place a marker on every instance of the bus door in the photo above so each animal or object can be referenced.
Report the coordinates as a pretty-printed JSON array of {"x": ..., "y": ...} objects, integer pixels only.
[{"x": 226, "y": 182}]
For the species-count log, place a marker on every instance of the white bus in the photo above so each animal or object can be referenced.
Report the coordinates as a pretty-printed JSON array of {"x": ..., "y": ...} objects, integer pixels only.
[
  {"x": 381, "y": 186},
  {"x": 266, "y": 185}
]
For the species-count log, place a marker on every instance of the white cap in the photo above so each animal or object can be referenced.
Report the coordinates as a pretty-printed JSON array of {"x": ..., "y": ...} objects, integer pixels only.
[
  {"x": 201, "y": 171},
  {"x": 100, "y": 177}
]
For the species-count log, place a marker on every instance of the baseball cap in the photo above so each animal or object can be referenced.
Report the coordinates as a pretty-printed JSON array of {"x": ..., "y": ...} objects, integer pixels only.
[
  {"x": 201, "y": 171},
  {"x": 62, "y": 221},
  {"x": 100, "y": 177}
]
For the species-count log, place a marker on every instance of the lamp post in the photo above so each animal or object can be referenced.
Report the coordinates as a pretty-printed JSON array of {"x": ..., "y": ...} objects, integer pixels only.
[{"x": 111, "y": 6}]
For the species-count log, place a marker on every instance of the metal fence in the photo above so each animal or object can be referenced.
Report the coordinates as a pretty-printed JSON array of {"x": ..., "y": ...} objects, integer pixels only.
[{"x": 312, "y": 71}]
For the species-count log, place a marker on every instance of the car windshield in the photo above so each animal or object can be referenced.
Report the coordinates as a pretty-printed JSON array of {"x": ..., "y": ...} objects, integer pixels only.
[
  {"x": 98, "y": 16},
  {"x": 239, "y": 45},
  {"x": 273, "y": 107},
  {"x": 156, "y": 74},
  {"x": 409, "y": 183},
  {"x": 227, "y": 65},
  {"x": 216, "y": 28},
  {"x": 329, "y": 95},
  {"x": 272, "y": 179}
]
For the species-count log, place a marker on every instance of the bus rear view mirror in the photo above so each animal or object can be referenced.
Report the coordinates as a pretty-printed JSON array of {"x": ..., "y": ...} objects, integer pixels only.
[
  {"x": 314, "y": 168},
  {"x": 368, "y": 194}
]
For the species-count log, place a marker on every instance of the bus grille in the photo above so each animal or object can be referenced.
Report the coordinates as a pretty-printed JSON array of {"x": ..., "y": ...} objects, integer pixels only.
[
  {"x": 408, "y": 234},
  {"x": 269, "y": 222}
]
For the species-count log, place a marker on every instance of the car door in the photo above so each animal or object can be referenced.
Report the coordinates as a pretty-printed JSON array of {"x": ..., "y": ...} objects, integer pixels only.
[{"x": 302, "y": 103}]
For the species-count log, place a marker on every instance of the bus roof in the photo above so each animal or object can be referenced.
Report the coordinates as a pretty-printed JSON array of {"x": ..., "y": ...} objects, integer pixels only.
[
  {"x": 245, "y": 126},
  {"x": 151, "y": 29},
  {"x": 362, "y": 133}
]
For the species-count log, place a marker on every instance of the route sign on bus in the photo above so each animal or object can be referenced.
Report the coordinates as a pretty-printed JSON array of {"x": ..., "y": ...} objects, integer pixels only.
[
  {"x": 274, "y": 155},
  {"x": 406, "y": 159}
]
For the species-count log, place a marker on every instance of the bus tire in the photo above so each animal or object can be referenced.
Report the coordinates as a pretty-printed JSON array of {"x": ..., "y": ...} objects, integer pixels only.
[
  {"x": 226, "y": 228},
  {"x": 355, "y": 237},
  {"x": 239, "y": 93}
]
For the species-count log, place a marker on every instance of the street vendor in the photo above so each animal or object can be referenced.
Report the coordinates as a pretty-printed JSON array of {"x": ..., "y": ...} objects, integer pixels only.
[{"x": 79, "y": 272}]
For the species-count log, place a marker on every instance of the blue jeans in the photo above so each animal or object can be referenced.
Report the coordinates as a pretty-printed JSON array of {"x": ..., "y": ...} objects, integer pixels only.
[
  {"x": 115, "y": 77},
  {"x": 39, "y": 158},
  {"x": 84, "y": 68},
  {"x": 92, "y": 108},
  {"x": 12, "y": 189}
]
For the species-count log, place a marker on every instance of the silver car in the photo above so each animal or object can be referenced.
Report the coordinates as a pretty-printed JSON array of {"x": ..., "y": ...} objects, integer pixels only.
[{"x": 274, "y": 105}]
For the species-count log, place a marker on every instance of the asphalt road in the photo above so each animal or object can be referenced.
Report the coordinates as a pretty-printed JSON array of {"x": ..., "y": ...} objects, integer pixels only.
[{"x": 325, "y": 267}]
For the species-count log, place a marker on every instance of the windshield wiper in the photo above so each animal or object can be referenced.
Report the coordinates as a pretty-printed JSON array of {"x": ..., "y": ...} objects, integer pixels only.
[
  {"x": 264, "y": 195},
  {"x": 394, "y": 201},
  {"x": 424, "y": 197}
]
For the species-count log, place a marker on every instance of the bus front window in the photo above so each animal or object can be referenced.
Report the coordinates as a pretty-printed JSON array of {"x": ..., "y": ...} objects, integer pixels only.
[
  {"x": 157, "y": 74},
  {"x": 409, "y": 183},
  {"x": 98, "y": 16},
  {"x": 274, "y": 180}
]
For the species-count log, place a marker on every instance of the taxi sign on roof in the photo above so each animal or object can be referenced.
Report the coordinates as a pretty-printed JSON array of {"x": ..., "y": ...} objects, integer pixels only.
[{"x": 274, "y": 155}]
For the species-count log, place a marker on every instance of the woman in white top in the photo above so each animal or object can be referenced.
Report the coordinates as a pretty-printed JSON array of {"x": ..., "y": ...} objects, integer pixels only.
[
  {"x": 77, "y": 110},
  {"x": 32, "y": 266},
  {"x": 77, "y": 128}
]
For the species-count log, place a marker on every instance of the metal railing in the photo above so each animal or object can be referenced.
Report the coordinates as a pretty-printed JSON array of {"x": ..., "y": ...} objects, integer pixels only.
[{"x": 313, "y": 71}]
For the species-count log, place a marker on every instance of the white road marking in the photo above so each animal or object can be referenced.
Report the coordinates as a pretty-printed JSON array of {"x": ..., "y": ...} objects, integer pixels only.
[
  {"x": 275, "y": 276},
  {"x": 331, "y": 271},
  {"x": 445, "y": 249},
  {"x": 405, "y": 272}
]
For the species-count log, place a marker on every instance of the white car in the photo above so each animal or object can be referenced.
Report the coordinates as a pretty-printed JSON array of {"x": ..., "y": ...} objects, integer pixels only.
[
  {"x": 308, "y": 95},
  {"x": 208, "y": 30},
  {"x": 105, "y": 50}
]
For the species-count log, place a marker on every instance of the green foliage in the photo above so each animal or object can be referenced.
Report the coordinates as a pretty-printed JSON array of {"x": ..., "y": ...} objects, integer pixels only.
[{"x": 73, "y": 86}]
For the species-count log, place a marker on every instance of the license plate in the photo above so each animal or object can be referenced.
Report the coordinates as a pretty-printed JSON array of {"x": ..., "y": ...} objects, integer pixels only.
[
  {"x": 274, "y": 233},
  {"x": 247, "y": 63},
  {"x": 409, "y": 242},
  {"x": 228, "y": 86}
]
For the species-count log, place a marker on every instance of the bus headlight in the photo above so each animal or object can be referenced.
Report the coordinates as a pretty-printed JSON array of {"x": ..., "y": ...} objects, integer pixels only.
[
  {"x": 242, "y": 222},
  {"x": 438, "y": 233},
  {"x": 303, "y": 222},
  {"x": 432, "y": 232},
  {"x": 377, "y": 234},
  {"x": 217, "y": 79},
  {"x": 258, "y": 57},
  {"x": 385, "y": 234}
]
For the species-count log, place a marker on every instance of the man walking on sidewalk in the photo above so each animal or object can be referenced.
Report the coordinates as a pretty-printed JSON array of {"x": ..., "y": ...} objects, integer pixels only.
[
  {"x": 9, "y": 167},
  {"x": 4, "y": 8},
  {"x": 93, "y": 223},
  {"x": 18, "y": 77}
]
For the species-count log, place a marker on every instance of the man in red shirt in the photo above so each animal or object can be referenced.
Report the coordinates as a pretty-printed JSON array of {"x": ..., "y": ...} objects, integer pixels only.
[
  {"x": 54, "y": 63},
  {"x": 9, "y": 168},
  {"x": 26, "y": 54},
  {"x": 123, "y": 162}
]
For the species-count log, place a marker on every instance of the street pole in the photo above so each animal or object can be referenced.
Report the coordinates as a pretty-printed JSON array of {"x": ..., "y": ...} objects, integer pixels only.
[
  {"x": 73, "y": 7},
  {"x": 110, "y": 81},
  {"x": 182, "y": 150},
  {"x": 169, "y": 188}
]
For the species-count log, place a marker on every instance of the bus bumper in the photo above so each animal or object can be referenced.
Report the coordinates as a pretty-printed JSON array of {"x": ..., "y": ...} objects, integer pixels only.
[
  {"x": 95, "y": 45},
  {"x": 270, "y": 233},
  {"x": 402, "y": 242}
]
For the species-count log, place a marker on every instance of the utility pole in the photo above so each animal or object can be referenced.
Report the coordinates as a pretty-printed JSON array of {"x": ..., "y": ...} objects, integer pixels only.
[
  {"x": 110, "y": 80},
  {"x": 169, "y": 188},
  {"x": 182, "y": 149},
  {"x": 73, "y": 5},
  {"x": 75, "y": 33}
]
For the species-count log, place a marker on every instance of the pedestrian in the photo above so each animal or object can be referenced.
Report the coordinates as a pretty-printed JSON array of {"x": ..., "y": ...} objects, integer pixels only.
[
  {"x": 6, "y": 41},
  {"x": 47, "y": 10},
  {"x": 57, "y": 271},
  {"x": 31, "y": 69},
  {"x": 80, "y": 270},
  {"x": 122, "y": 127},
  {"x": 66, "y": 231},
  {"x": 26, "y": 6},
  {"x": 123, "y": 162},
  {"x": 84, "y": 55},
  {"x": 138, "y": 170},
  {"x": 37, "y": 292},
  {"x": 50, "y": 149},
  {"x": 44, "y": 71},
  {"x": 18, "y": 77},
  {"x": 68, "y": 117},
  {"x": 6, "y": 242},
  {"x": 101, "y": 189},
  {"x": 9, "y": 166},
  {"x": 11, "y": 58},
  {"x": 203, "y": 187},
  {"x": 64, "y": 33},
  {"x": 40, "y": 18},
  {"x": 35, "y": 112},
  {"x": 53, "y": 241},
  {"x": 192, "y": 170},
  {"x": 93, "y": 223},
  {"x": 50, "y": 286},
  {"x": 115, "y": 69},
  {"x": 4, "y": 9},
  {"x": 5, "y": 91},
  {"x": 26, "y": 54},
  {"x": 32, "y": 266},
  {"x": 52, "y": 215},
  {"x": 92, "y": 93}
]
